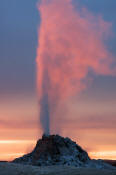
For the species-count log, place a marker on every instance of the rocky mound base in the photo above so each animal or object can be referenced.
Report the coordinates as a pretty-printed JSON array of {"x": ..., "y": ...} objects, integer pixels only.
[{"x": 57, "y": 150}]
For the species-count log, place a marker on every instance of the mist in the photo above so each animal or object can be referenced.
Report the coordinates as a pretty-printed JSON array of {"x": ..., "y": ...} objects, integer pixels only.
[{"x": 71, "y": 51}]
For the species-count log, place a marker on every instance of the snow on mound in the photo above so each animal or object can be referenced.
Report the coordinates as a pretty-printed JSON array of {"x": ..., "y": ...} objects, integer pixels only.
[{"x": 57, "y": 150}]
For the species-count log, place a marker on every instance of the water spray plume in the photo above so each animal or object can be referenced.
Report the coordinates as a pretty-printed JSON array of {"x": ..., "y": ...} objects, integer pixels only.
[{"x": 70, "y": 45}]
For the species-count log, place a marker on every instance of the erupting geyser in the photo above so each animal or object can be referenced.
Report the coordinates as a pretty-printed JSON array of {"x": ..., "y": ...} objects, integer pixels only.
[{"x": 70, "y": 46}]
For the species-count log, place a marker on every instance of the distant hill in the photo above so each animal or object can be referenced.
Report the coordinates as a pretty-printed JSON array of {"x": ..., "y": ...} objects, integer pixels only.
[
  {"x": 2, "y": 161},
  {"x": 111, "y": 162}
]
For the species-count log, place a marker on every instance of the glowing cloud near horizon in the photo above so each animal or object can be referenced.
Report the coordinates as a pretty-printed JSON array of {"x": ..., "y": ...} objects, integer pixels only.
[{"x": 70, "y": 46}]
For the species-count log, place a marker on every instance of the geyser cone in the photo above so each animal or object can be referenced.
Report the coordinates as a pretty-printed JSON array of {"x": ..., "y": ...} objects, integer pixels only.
[{"x": 57, "y": 150}]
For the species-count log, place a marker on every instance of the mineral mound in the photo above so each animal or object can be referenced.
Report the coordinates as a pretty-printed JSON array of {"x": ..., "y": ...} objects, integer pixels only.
[{"x": 57, "y": 150}]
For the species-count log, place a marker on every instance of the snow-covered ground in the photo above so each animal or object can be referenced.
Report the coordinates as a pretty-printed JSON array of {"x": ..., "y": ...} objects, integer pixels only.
[{"x": 18, "y": 169}]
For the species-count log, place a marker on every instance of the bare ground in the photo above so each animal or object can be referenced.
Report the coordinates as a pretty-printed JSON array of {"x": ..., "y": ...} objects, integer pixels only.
[{"x": 17, "y": 169}]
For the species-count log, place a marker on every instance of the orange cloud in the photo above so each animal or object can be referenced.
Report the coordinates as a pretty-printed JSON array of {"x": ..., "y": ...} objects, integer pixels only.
[{"x": 18, "y": 124}]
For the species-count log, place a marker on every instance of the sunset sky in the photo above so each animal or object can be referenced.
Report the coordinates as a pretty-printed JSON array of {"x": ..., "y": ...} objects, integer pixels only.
[{"x": 93, "y": 123}]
